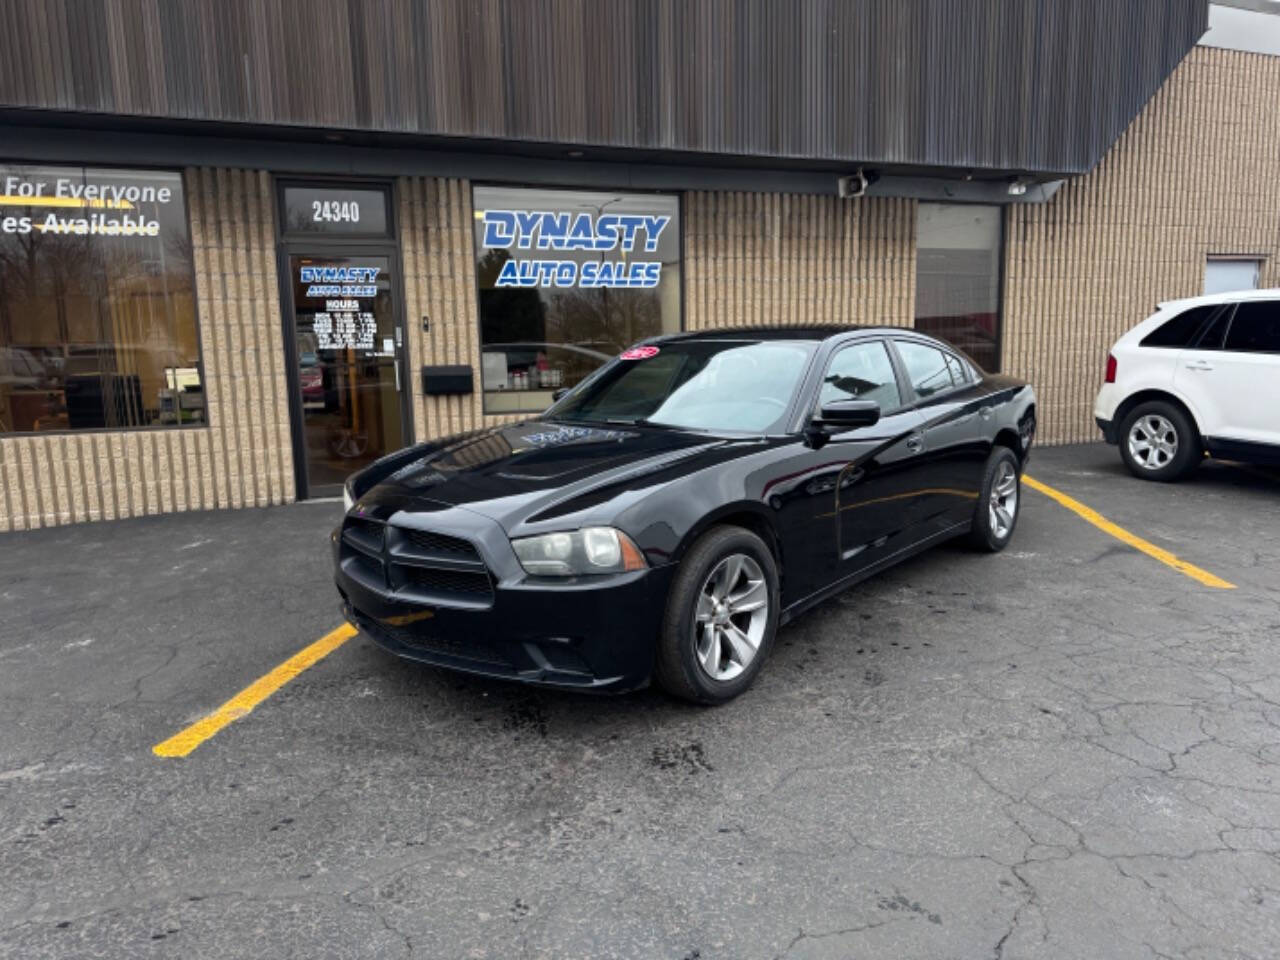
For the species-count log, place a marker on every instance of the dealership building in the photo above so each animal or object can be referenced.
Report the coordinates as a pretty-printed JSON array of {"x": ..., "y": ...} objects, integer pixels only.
[{"x": 247, "y": 246}]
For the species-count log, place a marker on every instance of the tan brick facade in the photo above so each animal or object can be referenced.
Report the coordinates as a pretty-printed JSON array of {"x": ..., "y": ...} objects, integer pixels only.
[
  {"x": 440, "y": 284},
  {"x": 1197, "y": 173},
  {"x": 243, "y": 458},
  {"x": 768, "y": 258}
]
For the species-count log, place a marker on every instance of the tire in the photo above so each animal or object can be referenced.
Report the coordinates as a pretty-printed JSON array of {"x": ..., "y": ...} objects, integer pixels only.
[
  {"x": 995, "y": 516},
  {"x": 696, "y": 626},
  {"x": 1158, "y": 441}
]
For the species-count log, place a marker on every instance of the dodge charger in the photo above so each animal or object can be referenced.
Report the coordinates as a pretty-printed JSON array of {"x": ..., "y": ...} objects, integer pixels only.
[{"x": 662, "y": 519}]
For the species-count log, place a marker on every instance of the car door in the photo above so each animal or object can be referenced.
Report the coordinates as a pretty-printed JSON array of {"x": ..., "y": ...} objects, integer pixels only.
[
  {"x": 955, "y": 417},
  {"x": 1231, "y": 378},
  {"x": 874, "y": 491}
]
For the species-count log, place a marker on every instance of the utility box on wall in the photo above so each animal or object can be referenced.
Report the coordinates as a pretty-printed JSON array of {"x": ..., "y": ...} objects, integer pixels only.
[{"x": 448, "y": 379}]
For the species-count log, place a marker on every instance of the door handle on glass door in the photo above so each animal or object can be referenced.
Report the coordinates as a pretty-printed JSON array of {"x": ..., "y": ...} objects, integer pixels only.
[{"x": 396, "y": 367}]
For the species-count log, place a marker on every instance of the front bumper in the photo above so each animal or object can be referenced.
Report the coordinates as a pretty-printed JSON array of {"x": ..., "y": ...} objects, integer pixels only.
[{"x": 590, "y": 634}]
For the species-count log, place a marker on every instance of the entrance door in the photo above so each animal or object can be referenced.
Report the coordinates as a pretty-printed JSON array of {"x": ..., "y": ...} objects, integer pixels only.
[{"x": 348, "y": 342}]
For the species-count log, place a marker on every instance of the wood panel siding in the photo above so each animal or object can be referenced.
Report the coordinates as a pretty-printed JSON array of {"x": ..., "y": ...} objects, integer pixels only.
[
  {"x": 1197, "y": 174},
  {"x": 1009, "y": 85},
  {"x": 243, "y": 457}
]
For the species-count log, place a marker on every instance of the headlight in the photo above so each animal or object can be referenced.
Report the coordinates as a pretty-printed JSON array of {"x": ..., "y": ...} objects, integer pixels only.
[
  {"x": 348, "y": 499},
  {"x": 585, "y": 551}
]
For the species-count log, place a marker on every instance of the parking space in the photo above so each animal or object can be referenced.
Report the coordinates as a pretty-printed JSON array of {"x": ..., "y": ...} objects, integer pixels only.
[{"x": 1068, "y": 749}]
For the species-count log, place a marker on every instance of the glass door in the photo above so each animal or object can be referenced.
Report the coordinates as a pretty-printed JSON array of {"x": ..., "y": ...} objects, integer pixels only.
[{"x": 348, "y": 342}]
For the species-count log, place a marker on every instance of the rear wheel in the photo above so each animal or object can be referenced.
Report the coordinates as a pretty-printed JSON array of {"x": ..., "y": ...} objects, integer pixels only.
[
  {"x": 996, "y": 514},
  {"x": 722, "y": 614},
  {"x": 1159, "y": 442}
]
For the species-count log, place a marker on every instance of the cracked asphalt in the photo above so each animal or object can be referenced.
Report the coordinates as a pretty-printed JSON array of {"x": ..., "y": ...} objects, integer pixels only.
[{"x": 1067, "y": 750}]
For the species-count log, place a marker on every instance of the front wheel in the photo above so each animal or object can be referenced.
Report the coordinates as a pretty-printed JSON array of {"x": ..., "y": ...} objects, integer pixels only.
[
  {"x": 722, "y": 614},
  {"x": 1000, "y": 499}
]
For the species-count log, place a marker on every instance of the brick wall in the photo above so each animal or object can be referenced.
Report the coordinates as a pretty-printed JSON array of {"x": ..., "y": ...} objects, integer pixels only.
[
  {"x": 1197, "y": 173},
  {"x": 243, "y": 457},
  {"x": 768, "y": 258}
]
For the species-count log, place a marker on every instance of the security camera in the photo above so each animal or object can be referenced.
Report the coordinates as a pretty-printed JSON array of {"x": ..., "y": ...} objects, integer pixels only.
[{"x": 856, "y": 184}]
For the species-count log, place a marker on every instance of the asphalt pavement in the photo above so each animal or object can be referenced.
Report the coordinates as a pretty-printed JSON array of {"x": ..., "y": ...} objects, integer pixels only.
[{"x": 1067, "y": 750}]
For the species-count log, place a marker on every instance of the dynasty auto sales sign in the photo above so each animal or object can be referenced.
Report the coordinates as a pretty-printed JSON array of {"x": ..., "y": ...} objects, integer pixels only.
[{"x": 612, "y": 235}]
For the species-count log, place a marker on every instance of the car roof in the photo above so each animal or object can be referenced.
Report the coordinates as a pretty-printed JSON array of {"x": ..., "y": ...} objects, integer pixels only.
[
  {"x": 814, "y": 332},
  {"x": 1231, "y": 296}
]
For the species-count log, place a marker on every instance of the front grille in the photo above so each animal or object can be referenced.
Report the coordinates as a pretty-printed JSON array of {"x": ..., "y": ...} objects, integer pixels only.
[
  {"x": 418, "y": 566},
  {"x": 445, "y": 581},
  {"x": 365, "y": 535},
  {"x": 438, "y": 543},
  {"x": 468, "y": 649}
]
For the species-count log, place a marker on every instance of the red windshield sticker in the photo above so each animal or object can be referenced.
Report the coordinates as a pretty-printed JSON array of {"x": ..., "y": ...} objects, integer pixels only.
[{"x": 639, "y": 353}]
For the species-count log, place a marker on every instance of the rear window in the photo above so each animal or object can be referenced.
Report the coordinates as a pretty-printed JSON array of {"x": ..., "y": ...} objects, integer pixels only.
[{"x": 1181, "y": 331}]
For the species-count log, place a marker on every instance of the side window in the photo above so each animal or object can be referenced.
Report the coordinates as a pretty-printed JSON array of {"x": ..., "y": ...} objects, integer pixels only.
[
  {"x": 1216, "y": 331},
  {"x": 1180, "y": 331},
  {"x": 862, "y": 372},
  {"x": 1255, "y": 328},
  {"x": 927, "y": 368}
]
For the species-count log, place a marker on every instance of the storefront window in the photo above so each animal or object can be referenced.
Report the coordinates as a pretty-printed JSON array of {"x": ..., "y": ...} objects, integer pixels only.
[
  {"x": 958, "y": 278},
  {"x": 97, "y": 301},
  {"x": 568, "y": 279}
]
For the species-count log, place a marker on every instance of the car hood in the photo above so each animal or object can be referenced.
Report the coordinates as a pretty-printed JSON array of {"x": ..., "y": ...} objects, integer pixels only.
[{"x": 513, "y": 473}]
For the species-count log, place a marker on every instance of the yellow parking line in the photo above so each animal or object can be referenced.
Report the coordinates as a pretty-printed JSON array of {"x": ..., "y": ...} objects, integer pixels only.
[
  {"x": 1123, "y": 535},
  {"x": 183, "y": 742}
]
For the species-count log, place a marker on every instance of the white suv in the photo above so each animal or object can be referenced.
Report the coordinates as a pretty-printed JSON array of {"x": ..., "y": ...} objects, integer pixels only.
[{"x": 1197, "y": 377}]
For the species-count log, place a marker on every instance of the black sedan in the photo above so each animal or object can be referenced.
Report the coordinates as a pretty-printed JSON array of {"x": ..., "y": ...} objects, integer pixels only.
[{"x": 664, "y": 517}]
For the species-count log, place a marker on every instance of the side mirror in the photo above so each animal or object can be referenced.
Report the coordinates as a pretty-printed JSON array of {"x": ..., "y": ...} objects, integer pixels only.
[
  {"x": 848, "y": 413},
  {"x": 558, "y": 395}
]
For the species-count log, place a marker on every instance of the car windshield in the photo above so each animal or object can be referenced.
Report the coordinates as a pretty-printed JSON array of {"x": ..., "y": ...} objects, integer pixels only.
[{"x": 736, "y": 386}]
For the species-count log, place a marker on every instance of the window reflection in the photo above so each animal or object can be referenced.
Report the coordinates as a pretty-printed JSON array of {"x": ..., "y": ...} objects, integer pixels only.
[{"x": 97, "y": 301}]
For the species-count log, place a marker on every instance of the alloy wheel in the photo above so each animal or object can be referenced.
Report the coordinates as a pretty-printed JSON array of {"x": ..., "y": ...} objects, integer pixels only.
[
  {"x": 1153, "y": 442},
  {"x": 1003, "y": 504},
  {"x": 730, "y": 617}
]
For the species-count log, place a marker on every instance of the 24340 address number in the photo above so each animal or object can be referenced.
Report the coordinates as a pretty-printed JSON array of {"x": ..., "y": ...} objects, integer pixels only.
[{"x": 335, "y": 211}]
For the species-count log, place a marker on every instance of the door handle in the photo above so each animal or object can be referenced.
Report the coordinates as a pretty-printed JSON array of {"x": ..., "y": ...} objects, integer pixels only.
[
  {"x": 986, "y": 413},
  {"x": 1199, "y": 365},
  {"x": 396, "y": 367},
  {"x": 915, "y": 443}
]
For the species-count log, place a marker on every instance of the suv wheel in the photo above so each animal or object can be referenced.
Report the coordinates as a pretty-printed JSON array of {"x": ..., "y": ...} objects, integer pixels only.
[
  {"x": 1159, "y": 442},
  {"x": 721, "y": 617}
]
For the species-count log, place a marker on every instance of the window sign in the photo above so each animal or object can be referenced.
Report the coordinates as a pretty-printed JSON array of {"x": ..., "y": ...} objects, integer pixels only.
[
  {"x": 348, "y": 293},
  {"x": 97, "y": 301},
  {"x": 345, "y": 211},
  {"x": 614, "y": 233},
  {"x": 568, "y": 280}
]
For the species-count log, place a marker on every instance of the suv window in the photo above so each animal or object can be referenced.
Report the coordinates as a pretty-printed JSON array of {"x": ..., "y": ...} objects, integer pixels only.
[
  {"x": 1180, "y": 331},
  {"x": 1255, "y": 327},
  {"x": 927, "y": 368},
  {"x": 1216, "y": 331},
  {"x": 862, "y": 372}
]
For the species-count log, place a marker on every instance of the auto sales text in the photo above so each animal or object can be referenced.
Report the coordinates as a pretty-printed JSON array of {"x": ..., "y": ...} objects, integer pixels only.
[{"x": 545, "y": 230}]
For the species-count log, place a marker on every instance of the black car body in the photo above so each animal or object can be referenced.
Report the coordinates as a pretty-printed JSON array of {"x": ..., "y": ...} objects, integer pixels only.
[{"x": 424, "y": 558}]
